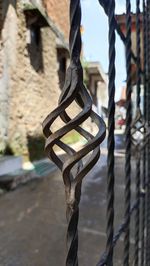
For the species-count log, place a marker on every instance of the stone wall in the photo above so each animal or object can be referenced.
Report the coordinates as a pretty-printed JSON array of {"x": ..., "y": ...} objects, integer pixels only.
[
  {"x": 32, "y": 93},
  {"x": 1, "y": 15},
  {"x": 7, "y": 55},
  {"x": 29, "y": 80},
  {"x": 59, "y": 13}
]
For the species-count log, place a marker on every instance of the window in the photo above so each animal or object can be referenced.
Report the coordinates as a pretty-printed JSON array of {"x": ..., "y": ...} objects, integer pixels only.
[
  {"x": 35, "y": 22},
  {"x": 62, "y": 65}
]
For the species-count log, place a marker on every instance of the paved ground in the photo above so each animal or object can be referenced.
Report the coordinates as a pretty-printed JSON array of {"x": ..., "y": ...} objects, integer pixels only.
[{"x": 33, "y": 224}]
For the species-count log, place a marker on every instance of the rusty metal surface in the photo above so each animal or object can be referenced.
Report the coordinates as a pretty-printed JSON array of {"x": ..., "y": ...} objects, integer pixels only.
[
  {"x": 128, "y": 137},
  {"x": 137, "y": 137},
  {"x": 148, "y": 144},
  {"x": 74, "y": 90},
  {"x": 111, "y": 136}
]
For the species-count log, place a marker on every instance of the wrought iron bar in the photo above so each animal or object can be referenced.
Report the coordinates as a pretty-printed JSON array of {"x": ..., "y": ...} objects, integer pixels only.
[
  {"x": 75, "y": 167},
  {"x": 137, "y": 212},
  {"x": 138, "y": 119},
  {"x": 138, "y": 51},
  {"x": 74, "y": 90},
  {"x": 104, "y": 4},
  {"x": 148, "y": 146},
  {"x": 111, "y": 140},
  {"x": 138, "y": 126},
  {"x": 144, "y": 149},
  {"x": 128, "y": 134},
  {"x": 119, "y": 232}
]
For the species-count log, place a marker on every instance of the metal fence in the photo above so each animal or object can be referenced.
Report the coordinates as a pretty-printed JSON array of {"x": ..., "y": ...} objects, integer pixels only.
[{"x": 74, "y": 169}]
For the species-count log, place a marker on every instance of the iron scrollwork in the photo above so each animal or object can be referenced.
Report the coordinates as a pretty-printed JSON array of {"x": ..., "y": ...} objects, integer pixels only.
[{"x": 74, "y": 90}]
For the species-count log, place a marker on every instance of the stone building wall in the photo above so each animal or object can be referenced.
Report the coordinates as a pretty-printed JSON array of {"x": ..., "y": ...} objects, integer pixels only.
[
  {"x": 59, "y": 13},
  {"x": 31, "y": 89},
  {"x": 33, "y": 93},
  {"x": 30, "y": 81},
  {"x": 7, "y": 55},
  {"x": 1, "y": 15}
]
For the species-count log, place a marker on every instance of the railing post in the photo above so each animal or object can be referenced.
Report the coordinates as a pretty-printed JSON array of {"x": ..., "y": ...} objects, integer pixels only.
[
  {"x": 138, "y": 157},
  {"x": 128, "y": 135},
  {"x": 111, "y": 139},
  {"x": 73, "y": 169},
  {"x": 148, "y": 146},
  {"x": 143, "y": 224}
]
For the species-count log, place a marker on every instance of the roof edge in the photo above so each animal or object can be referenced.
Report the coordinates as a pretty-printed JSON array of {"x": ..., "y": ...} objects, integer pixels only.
[{"x": 38, "y": 4}]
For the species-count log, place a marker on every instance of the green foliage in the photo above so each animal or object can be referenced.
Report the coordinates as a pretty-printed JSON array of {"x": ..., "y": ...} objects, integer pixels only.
[{"x": 72, "y": 137}]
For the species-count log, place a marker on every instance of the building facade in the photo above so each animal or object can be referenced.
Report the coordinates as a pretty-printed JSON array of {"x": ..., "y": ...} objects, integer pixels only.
[
  {"x": 121, "y": 19},
  {"x": 97, "y": 84},
  {"x": 33, "y": 61}
]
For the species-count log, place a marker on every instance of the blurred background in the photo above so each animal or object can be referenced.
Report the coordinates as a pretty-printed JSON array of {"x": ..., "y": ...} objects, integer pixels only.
[{"x": 34, "y": 56}]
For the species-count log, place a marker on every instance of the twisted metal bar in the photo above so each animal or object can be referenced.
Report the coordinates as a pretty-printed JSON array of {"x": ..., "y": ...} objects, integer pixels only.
[
  {"x": 137, "y": 212},
  {"x": 138, "y": 125},
  {"x": 138, "y": 51},
  {"x": 111, "y": 141},
  {"x": 119, "y": 232},
  {"x": 105, "y": 4},
  {"x": 144, "y": 149},
  {"x": 148, "y": 146},
  {"x": 74, "y": 90},
  {"x": 128, "y": 135}
]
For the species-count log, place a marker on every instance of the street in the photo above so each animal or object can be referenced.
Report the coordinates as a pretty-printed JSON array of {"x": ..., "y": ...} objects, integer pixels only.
[{"x": 33, "y": 224}]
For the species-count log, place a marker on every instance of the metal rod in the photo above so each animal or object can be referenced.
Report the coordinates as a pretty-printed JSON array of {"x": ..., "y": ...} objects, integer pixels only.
[
  {"x": 111, "y": 140},
  {"x": 73, "y": 169},
  {"x": 148, "y": 146},
  {"x": 144, "y": 150},
  {"x": 128, "y": 135},
  {"x": 138, "y": 52},
  {"x": 137, "y": 212},
  {"x": 104, "y": 4},
  {"x": 138, "y": 111},
  {"x": 119, "y": 233}
]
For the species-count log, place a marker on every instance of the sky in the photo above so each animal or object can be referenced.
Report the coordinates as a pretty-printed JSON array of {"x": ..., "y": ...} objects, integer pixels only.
[{"x": 95, "y": 38}]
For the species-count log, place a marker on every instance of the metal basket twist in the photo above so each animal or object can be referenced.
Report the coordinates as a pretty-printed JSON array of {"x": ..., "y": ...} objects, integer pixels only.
[{"x": 73, "y": 169}]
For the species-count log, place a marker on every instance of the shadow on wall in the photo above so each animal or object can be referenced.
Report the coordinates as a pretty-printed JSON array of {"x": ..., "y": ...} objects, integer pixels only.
[
  {"x": 35, "y": 49},
  {"x": 4, "y": 5},
  {"x": 36, "y": 147},
  {"x": 35, "y": 22},
  {"x": 8, "y": 151}
]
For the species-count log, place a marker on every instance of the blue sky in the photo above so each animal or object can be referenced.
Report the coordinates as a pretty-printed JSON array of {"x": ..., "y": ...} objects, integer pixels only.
[{"x": 95, "y": 38}]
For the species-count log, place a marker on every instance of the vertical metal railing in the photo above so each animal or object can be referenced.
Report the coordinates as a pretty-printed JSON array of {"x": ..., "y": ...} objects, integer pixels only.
[
  {"x": 74, "y": 168},
  {"x": 111, "y": 137},
  {"x": 144, "y": 148},
  {"x": 137, "y": 136},
  {"x": 137, "y": 124},
  {"x": 148, "y": 145},
  {"x": 128, "y": 135}
]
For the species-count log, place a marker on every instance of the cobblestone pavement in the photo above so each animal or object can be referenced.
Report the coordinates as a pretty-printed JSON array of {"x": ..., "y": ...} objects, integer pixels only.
[{"x": 33, "y": 223}]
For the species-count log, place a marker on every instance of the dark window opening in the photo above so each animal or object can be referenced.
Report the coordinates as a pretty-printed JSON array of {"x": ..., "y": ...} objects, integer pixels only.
[
  {"x": 35, "y": 48},
  {"x": 62, "y": 71},
  {"x": 62, "y": 65},
  {"x": 35, "y": 35},
  {"x": 35, "y": 22}
]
